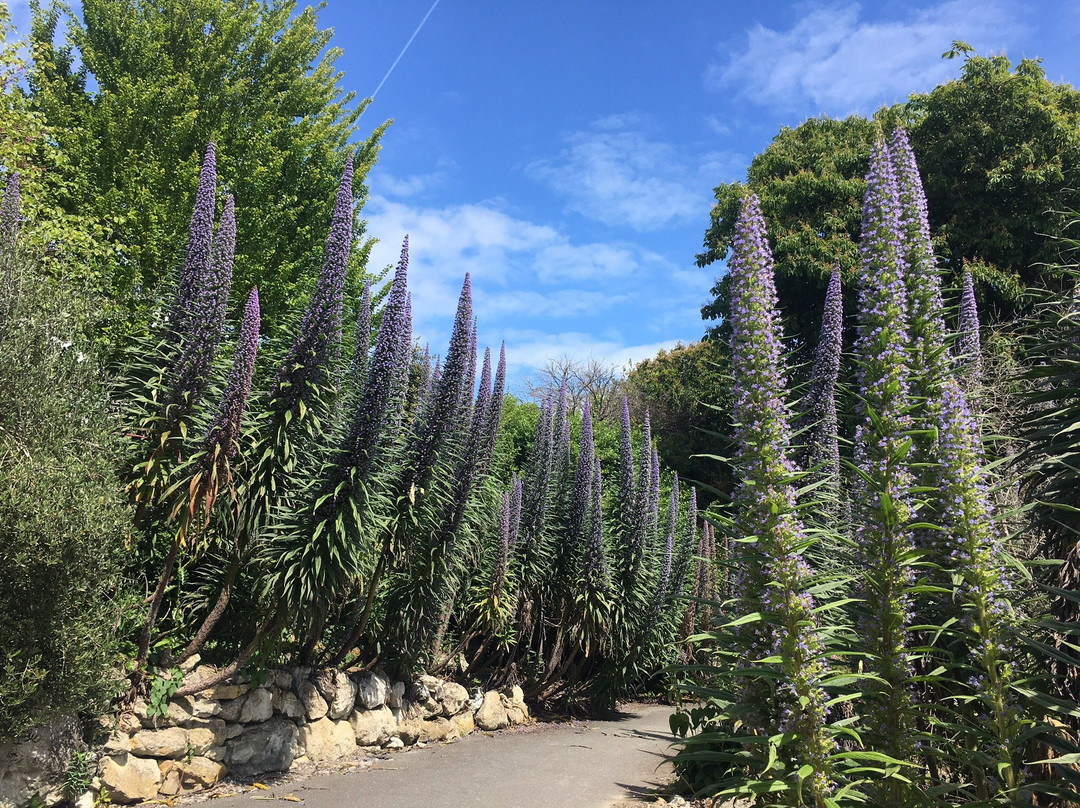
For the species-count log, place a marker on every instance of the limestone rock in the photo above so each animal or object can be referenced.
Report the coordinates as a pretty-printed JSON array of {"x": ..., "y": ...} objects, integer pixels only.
[
  {"x": 491, "y": 715},
  {"x": 300, "y": 674},
  {"x": 129, "y": 778},
  {"x": 454, "y": 697},
  {"x": 281, "y": 679},
  {"x": 232, "y": 730},
  {"x": 420, "y": 695},
  {"x": 181, "y": 776},
  {"x": 373, "y": 727},
  {"x": 344, "y": 697},
  {"x": 314, "y": 704},
  {"x": 395, "y": 743},
  {"x": 199, "y": 707},
  {"x": 464, "y": 723},
  {"x": 287, "y": 704},
  {"x": 201, "y": 739},
  {"x": 128, "y": 722},
  {"x": 266, "y": 747},
  {"x": 224, "y": 692},
  {"x": 258, "y": 707},
  {"x": 372, "y": 689},
  {"x": 170, "y": 742},
  {"x": 190, "y": 664},
  {"x": 409, "y": 719},
  {"x": 517, "y": 713},
  {"x": 396, "y": 695},
  {"x": 35, "y": 762},
  {"x": 515, "y": 693},
  {"x": 437, "y": 729},
  {"x": 179, "y": 713},
  {"x": 326, "y": 740},
  {"x": 230, "y": 710}
]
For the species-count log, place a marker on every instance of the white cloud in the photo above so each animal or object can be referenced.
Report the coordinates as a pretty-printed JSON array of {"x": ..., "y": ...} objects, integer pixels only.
[
  {"x": 615, "y": 174},
  {"x": 523, "y": 274},
  {"x": 840, "y": 62}
]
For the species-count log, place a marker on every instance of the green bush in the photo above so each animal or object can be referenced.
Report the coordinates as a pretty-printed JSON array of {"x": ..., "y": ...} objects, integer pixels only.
[{"x": 61, "y": 515}]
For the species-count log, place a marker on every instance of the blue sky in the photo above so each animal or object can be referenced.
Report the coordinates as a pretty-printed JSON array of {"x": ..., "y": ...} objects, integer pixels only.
[{"x": 565, "y": 152}]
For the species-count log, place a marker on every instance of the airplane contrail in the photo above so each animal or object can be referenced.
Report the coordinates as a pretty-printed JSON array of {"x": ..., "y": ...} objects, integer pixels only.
[{"x": 398, "y": 59}]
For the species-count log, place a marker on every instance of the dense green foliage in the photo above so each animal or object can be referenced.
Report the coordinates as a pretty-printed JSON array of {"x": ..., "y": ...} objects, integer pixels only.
[
  {"x": 63, "y": 527},
  {"x": 999, "y": 152},
  {"x": 926, "y": 638},
  {"x": 132, "y": 97}
]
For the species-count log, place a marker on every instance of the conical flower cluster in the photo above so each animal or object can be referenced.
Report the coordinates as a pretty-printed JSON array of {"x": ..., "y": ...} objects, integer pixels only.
[
  {"x": 306, "y": 370},
  {"x": 969, "y": 344},
  {"x": 777, "y": 583},
  {"x": 882, "y": 491}
]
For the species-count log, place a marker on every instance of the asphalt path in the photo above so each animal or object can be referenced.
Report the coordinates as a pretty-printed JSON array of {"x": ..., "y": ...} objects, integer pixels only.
[{"x": 580, "y": 764}]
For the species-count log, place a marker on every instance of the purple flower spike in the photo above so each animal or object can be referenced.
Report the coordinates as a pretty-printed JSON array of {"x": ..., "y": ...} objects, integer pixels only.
[
  {"x": 206, "y": 320},
  {"x": 766, "y": 512},
  {"x": 823, "y": 446},
  {"x": 359, "y": 366},
  {"x": 442, "y": 414},
  {"x": 581, "y": 495},
  {"x": 926, "y": 311},
  {"x": 318, "y": 340},
  {"x": 882, "y": 491},
  {"x": 596, "y": 569},
  {"x": 515, "y": 512},
  {"x": 200, "y": 244},
  {"x": 224, "y": 430},
  {"x": 626, "y": 467},
  {"x": 662, "y": 587},
  {"x": 493, "y": 414},
  {"x": 969, "y": 345},
  {"x": 383, "y": 390},
  {"x": 502, "y": 561},
  {"x": 9, "y": 214}
]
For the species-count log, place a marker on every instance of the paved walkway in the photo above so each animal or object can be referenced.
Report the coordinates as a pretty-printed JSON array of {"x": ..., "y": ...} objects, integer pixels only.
[{"x": 583, "y": 764}]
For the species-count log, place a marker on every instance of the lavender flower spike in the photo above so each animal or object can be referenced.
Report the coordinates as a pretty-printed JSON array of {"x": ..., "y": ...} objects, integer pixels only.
[
  {"x": 928, "y": 357},
  {"x": 969, "y": 345},
  {"x": 381, "y": 387},
  {"x": 318, "y": 340},
  {"x": 882, "y": 491},
  {"x": 199, "y": 246},
  {"x": 776, "y": 582},
  {"x": 9, "y": 214},
  {"x": 581, "y": 494},
  {"x": 596, "y": 569}
]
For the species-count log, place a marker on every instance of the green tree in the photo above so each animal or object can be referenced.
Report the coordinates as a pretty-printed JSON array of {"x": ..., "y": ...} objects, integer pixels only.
[
  {"x": 686, "y": 392},
  {"x": 139, "y": 89},
  {"x": 810, "y": 181},
  {"x": 999, "y": 149}
]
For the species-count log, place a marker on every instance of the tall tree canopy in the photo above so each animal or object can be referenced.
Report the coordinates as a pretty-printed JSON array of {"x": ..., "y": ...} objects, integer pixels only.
[
  {"x": 999, "y": 150},
  {"x": 141, "y": 86}
]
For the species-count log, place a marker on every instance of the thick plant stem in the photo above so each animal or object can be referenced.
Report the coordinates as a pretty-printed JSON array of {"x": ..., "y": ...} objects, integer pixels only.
[
  {"x": 155, "y": 605},
  {"x": 215, "y": 614},
  {"x": 229, "y": 670},
  {"x": 369, "y": 605}
]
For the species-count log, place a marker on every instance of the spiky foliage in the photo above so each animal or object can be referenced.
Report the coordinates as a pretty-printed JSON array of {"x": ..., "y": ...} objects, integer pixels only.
[
  {"x": 222, "y": 437},
  {"x": 10, "y": 221},
  {"x": 881, "y": 494},
  {"x": 969, "y": 344},
  {"x": 788, "y": 698}
]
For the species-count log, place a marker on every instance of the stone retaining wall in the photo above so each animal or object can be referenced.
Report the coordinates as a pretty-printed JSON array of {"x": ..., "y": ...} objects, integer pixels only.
[{"x": 295, "y": 716}]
